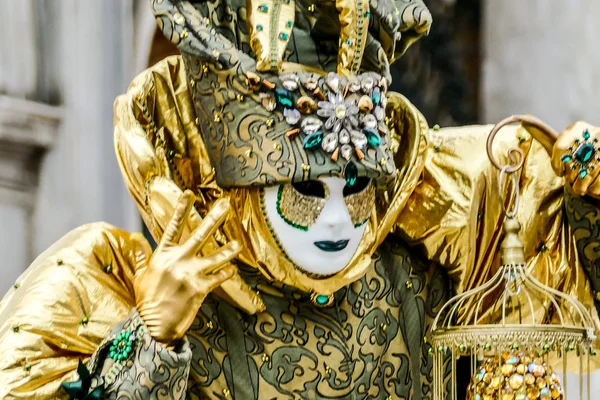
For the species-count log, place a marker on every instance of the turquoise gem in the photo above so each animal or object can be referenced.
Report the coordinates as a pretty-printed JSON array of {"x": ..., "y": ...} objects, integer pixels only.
[
  {"x": 290, "y": 24},
  {"x": 351, "y": 174},
  {"x": 259, "y": 27},
  {"x": 263, "y": 8},
  {"x": 513, "y": 360},
  {"x": 585, "y": 153},
  {"x": 312, "y": 141},
  {"x": 322, "y": 299},
  {"x": 376, "y": 96},
  {"x": 586, "y": 134},
  {"x": 284, "y": 98},
  {"x": 566, "y": 158},
  {"x": 348, "y": 42},
  {"x": 583, "y": 173},
  {"x": 373, "y": 138},
  {"x": 283, "y": 36},
  {"x": 367, "y": 14}
]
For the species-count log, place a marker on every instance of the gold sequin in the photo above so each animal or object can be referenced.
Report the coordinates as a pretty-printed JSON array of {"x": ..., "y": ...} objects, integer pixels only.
[
  {"x": 360, "y": 205},
  {"x": 297, "y": 209}
]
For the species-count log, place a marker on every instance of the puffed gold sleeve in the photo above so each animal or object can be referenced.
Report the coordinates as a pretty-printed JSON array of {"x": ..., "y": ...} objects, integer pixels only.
[
  {"x": 64, "y": 306},
  {"x": 455, "y": 215}
]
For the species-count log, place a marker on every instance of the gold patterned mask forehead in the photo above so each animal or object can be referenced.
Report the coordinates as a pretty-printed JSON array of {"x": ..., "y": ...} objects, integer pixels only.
[{"x": 301, "y": 210}]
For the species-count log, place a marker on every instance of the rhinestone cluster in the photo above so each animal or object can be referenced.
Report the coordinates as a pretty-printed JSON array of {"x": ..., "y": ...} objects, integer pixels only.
[
  {"x": 122, "y": 347},
  {"x": 582, "y": 154},
  {"x": 341, "y": 115},
  {"x": 519, "y": 377}
]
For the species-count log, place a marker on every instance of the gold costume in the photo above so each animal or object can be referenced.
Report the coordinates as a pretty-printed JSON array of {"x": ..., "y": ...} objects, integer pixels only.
[{"x": 436, "y": 230}]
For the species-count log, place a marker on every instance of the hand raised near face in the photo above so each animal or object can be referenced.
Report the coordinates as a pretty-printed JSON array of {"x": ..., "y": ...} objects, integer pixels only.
[{"x": 171, "y": 288}]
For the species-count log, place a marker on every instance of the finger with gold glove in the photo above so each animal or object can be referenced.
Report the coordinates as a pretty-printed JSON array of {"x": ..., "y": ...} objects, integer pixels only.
[
  {"x": 172, "y": 287},
  {"x": 576, "y": 156}
]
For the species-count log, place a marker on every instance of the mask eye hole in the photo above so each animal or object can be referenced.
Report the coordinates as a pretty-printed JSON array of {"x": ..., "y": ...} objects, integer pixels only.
[
  {"x": 360, "y": 185},
  {"x": 310, "y": 188}
]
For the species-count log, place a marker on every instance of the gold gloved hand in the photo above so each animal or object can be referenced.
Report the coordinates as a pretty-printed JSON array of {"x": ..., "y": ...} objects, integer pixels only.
[
  {"x": 576, "y": 156},
  {"x": 171, "y": 288}
]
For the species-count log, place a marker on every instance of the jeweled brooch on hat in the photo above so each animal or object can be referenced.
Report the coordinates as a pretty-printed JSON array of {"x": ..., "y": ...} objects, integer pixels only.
[{"x": 341, "y": 115}]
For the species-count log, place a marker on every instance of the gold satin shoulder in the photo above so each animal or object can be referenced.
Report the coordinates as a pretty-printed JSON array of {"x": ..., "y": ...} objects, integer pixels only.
[{"x": 63, "y": 306}]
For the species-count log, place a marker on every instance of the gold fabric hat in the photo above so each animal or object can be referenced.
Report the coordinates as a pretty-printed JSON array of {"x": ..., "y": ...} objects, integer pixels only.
[{"x": 268, "y": 110}]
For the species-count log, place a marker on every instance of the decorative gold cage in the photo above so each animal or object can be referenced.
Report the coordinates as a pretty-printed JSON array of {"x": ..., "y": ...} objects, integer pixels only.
[{"x": 513, "y": 328}]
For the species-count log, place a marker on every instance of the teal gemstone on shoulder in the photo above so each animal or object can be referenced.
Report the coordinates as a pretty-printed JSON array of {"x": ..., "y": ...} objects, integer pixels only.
[
  {"x": 367, "y": 14},
  {"x": 322, "y": 299},
  {"x": 584, "y": 153},
  {"x": 373, "y": 138},
  {"x": 566, "y": 158},
  {"x": 284, "y": 98},
  {"x": 312, "y": 141},
  {"x": 259, "y": 27},
  {"x": 263, "y": 8},
  {"x": 586, "y": 134},
  {"x": 284, "y": 36},
  {"x": 583, "y": 173},
  {"x": 351, "y": 174},
  {"x": 290, "y": 24}
]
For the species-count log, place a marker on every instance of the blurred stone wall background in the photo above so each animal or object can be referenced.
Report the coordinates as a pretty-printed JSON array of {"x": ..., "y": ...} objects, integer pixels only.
[{"x": 62, "y": 63}]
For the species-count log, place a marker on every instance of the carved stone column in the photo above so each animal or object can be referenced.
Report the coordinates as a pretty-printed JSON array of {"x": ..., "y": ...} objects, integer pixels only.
[{"x": 27, "y": 130}]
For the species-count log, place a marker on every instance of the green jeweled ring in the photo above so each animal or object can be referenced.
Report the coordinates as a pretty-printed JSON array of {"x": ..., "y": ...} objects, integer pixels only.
[
  {"x": 582, "y": 154},
  {"x": 122, "y": 346}
]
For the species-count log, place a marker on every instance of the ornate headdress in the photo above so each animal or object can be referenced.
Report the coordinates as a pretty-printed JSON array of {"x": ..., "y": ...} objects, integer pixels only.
[{"x": 265, "y": 120}]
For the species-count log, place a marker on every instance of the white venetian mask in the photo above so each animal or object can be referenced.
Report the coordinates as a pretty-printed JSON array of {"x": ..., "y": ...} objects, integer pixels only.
[{"x": 319, "y": 224}]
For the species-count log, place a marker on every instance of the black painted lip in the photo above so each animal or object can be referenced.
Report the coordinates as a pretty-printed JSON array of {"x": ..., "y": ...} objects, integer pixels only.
[{"x": 328, "y": 245}]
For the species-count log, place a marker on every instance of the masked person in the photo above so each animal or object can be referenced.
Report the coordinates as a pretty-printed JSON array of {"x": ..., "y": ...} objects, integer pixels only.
[{"x": 309, "y": 224}]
